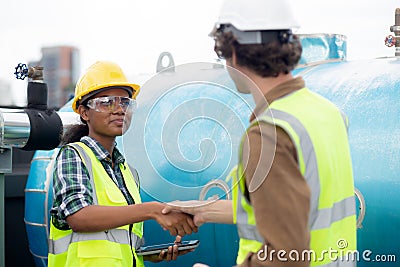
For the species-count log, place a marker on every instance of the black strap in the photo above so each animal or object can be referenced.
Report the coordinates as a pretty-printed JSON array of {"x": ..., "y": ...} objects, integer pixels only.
[
  {"x": 283, "y": 36},
  {"x": 130, "y": 242}
]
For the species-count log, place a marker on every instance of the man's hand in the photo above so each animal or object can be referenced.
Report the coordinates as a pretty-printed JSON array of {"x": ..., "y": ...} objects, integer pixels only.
[
  {"x": 177, "y": 223},
  {"x": 216, "y": 211},
  {"x": 192, "y": 207}
]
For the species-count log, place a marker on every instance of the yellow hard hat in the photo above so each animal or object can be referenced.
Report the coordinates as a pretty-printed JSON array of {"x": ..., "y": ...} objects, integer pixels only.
[{"x": 101, "y": 76}]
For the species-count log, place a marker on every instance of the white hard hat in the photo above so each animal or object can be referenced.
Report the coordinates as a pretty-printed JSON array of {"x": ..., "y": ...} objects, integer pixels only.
[{"x": 258, "y": 15}]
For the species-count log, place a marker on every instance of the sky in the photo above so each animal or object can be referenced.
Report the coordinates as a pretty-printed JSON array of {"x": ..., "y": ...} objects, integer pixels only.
[{"x": 133, "y": 33}]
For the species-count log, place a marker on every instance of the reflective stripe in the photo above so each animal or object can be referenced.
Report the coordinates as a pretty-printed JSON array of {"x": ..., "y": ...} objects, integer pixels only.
[
  {"x": 249, "y": 232},
  {"x": 318, "y": 218},
  {"x": 307, "y": 148},
  {"x": 340, "y": 210},
  {"x": 245, "y": 230},
  {"x": 241, "y": 215},
  {"x": 88, "y": 163},
  {"x": 321, "y": 218},
  {"x": 115, "y": 235},
  {"x": 119, "y": 233},
  {"x": 64, "y": 244},
  {"x": 135, "y": 175},
  {"x": 338, "y": 263},
  {"x": 336, "y": 217}
]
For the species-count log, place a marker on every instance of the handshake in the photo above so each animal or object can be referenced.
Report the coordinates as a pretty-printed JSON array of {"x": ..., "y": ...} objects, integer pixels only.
[{"x": 184, "y": 217}]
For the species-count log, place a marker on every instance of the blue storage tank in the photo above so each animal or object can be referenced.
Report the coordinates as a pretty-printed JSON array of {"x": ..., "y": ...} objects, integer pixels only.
[
  {"x": 38, "y": 201},
  {"x": 185, "y": 136}
]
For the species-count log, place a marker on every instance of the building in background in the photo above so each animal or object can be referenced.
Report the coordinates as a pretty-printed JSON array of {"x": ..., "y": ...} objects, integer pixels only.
[{"x": 61, "y": 72}]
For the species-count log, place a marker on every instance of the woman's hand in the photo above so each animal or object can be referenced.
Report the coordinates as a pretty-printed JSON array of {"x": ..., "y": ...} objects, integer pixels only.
[{"x": 168, "y": 255}]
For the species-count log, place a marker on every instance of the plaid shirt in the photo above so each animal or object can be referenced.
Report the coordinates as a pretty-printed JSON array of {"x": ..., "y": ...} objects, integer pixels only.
[{"x": 71, "y": 186}]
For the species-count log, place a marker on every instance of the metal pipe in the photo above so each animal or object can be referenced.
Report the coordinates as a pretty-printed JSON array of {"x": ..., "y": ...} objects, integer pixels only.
[
  {"x": 2, "y": 235},
  {"x": 397, "y": 20},
  {"x": 69, "y": 118},
  {"x": 15, "y": 126},
  {"x": 396, "y": 30},
  {"x": 14, "y": 129}
]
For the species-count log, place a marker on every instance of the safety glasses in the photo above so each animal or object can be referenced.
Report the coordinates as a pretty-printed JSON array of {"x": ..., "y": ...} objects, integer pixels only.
[{"x": 111, "y": 104}]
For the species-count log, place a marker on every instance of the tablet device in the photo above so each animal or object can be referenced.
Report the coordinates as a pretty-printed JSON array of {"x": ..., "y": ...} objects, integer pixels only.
[{"x": 156, "y": 249}]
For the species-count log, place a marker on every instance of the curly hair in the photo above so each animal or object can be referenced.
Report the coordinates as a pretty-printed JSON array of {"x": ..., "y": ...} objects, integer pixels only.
[{"x": 267, "y": 60}]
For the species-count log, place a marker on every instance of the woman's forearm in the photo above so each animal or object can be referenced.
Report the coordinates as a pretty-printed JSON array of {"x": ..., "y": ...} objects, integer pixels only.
[{"x": 99, "y": 218}]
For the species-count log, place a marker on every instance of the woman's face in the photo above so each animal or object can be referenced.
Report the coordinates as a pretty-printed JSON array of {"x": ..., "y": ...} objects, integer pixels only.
[{"x": 105, "y": 122}]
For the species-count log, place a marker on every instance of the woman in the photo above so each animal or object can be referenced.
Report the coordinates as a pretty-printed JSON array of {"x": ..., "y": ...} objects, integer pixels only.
[{"x": 97, "y": 214}]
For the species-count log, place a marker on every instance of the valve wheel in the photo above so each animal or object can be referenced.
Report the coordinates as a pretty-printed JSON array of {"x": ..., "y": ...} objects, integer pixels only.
[
  {"x": 21, "y": 71},
  {"x": 390, "y": 41}
]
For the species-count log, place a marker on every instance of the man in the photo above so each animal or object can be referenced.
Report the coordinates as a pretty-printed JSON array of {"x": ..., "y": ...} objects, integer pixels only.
[{"x": 294, "y": 203}]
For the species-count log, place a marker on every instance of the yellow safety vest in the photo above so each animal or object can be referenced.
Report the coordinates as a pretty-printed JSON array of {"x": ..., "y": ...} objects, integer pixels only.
[
  {"x": 327, "y": 168},
  {"x": 243, "y": 216},
  {"x": 114, "y": 247}
]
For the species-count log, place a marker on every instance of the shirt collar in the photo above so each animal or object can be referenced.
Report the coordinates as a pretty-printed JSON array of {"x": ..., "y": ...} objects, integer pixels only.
[
  {"x": 100, "y": 152},
  {"x": 278, "y": 91}
]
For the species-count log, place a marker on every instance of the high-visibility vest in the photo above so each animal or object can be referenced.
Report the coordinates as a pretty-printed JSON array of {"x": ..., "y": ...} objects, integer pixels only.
[
  {"x": 319, "y": 132},
  {"x": 114, "y": 247},
  {"x": 243, "y": 216}
]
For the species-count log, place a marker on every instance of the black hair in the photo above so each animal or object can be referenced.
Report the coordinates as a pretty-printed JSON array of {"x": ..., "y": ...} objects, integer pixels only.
[{"x": 75, "y": 132}]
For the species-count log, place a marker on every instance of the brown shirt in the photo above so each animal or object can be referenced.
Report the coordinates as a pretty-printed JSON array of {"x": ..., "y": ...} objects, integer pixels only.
[{"x": 278, "y": 192}]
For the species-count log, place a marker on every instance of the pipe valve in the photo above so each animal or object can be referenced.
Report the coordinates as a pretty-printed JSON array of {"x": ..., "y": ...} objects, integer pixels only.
[
  {"x": 22, "y": 71},
  {"x": 390, "y": 40},
  {"x": 394, "y": 40}
]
